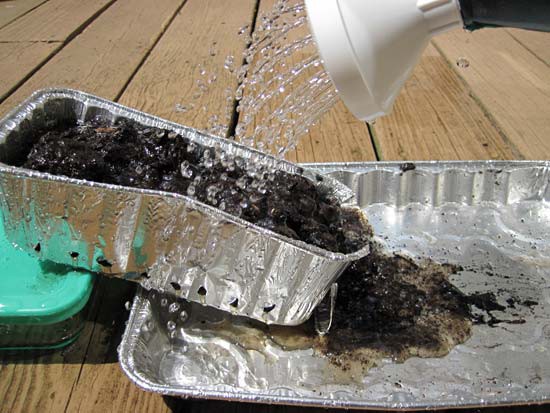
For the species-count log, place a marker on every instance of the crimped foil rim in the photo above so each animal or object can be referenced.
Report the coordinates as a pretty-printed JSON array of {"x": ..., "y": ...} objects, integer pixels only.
[
  {"x": 126, "y": 360},
  {"x": 441, "y": 164}
]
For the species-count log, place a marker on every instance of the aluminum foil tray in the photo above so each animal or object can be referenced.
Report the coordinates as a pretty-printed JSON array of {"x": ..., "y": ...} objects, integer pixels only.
[
  {"x": 165, "y": 241},
  {"x": 489, "y": 216}
]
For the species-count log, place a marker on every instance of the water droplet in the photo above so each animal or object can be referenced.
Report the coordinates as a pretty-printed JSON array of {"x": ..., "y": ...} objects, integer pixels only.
[
  {"x": 212, "y": 119},
  {"x": 203, "y": 87},
  {"x": 171, "y": 325},
  {"x": 242, "y": 182},
  {"x": 184, "y": 316},
  {"x": 243, "y": 30},
  {"x": 240, "y": 162},
  {"x": 163, "y": 302},
  {"x": 212, "y": 191},
  {"x": 186, "y": 169},
  {"x": 183, "y": 108},
  {"x": 229, "y": 64},
  {"x": 174, "y": 307}
]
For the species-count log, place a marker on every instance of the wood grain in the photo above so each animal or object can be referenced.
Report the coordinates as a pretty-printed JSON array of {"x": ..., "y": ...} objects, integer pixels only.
[
  {"x": 511, "y": 83},
  {"x": 537, "y": 43},
  {"x": 11, "y": 10},
  {"x": 435, "y": 117},
  {"x": 338, "y": 137},
  {"x": 103, "y": 58},
  {"x": 54, "y": 21},
  {"x": 23, "y": 57},
  {"x": 202, "y": 36},
  {"x": 101, "y": 384}
]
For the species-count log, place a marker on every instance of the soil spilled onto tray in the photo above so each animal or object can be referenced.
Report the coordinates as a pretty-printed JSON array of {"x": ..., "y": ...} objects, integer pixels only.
[
  {"x": 133, "y": 155},
  {"x": 392, "y": 307},
  {"x": 388, "y": 307}
]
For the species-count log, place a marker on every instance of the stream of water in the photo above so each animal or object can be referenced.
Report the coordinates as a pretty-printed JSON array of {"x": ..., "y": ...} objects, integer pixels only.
[{"x": 283, "y": 88}]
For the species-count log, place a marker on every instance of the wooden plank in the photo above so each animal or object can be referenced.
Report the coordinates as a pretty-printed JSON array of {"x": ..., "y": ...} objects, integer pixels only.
[
  {"x": 200, "y": 38},
  {"x": 436, "y": 118},
  {"x": 103, "y": 58},
  {"x": 11, "y": 10},
  {"x": 54, "y": 21},
  {"x": 338, "y": 136},
  {"x": 537, "y": 43},
  {"x": 58, "y": 382},
  {"x": 17, "y": 60},
  {"x": 30, "y": 386},
  {"x": 101, "y": 385},
  {"x": 511, "y": 83},
  {"x": 104, "y": 387},
  {"x": 22, "y": 50}
]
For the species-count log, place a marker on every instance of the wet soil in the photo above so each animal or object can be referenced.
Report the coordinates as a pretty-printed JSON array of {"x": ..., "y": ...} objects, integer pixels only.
[{"x": 130, "y": 154}]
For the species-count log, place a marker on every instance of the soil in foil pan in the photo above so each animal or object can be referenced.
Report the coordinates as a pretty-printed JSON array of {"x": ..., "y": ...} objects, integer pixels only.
[
  {"x": 388, "y": 307},
  {"x": 133, "y": 155}
]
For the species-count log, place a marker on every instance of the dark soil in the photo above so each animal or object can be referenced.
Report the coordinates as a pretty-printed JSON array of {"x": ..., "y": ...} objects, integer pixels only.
[
  {"x": 133, "y": 155},
  {"x": 389, "y": 306}
]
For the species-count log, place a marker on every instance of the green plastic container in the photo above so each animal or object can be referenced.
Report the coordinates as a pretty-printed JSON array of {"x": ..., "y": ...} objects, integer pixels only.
[{"x": 42, "y": 305}]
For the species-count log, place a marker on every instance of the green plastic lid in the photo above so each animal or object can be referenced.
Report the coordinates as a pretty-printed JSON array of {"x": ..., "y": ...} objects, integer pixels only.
[{"x": 33, "y": 292}]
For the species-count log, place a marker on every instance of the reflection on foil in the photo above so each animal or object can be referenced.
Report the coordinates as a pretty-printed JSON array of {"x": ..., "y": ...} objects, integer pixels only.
[
  {"x": 489, "y": 218},
  {"x": 164, "y": 241}
]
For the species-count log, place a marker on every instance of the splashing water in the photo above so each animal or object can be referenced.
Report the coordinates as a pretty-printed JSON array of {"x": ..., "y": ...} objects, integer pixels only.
[{"x": 284, "y": 88}]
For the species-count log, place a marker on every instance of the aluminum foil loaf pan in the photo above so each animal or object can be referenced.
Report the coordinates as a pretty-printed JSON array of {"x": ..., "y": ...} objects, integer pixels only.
[
  {"x": 164, "y": 241},
  {"x": 490, "y": 218}
]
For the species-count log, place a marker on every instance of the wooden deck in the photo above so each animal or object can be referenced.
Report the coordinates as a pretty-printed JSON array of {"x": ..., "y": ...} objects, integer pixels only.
[{"x": 146, "y": 55}]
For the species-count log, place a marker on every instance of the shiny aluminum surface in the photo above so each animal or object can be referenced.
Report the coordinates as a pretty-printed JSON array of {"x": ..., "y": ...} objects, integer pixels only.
[
  {"x": 164, "y": 241},
  {"x": 492, "y": 218}
]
